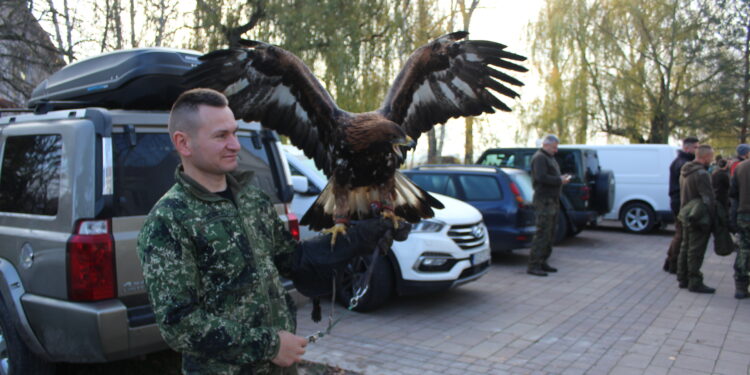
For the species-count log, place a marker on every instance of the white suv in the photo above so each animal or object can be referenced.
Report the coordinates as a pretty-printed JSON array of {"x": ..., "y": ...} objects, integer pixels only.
[{"x": 443, "y": 252}]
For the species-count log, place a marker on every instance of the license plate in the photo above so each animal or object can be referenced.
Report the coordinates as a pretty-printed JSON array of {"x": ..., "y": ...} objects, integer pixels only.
[{"x": 480, "y": 257}]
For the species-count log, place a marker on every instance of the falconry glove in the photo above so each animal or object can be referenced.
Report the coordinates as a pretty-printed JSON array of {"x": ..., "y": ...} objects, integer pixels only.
[{"x": 316, "y": 262}]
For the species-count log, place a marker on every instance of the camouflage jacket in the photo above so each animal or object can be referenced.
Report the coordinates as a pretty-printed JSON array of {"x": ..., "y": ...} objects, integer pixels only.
[{"x": 212, "y": 272}]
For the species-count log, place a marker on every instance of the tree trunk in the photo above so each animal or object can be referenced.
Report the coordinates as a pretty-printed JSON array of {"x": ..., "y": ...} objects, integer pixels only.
[
  {"x": 432, "y": 155},
  {"x": 469, "y": 145},
  {"x": 746, "y": 86}
]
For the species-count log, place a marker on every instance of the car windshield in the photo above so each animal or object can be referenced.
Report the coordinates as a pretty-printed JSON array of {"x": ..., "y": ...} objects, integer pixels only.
[{"x": 523, "y": 181}]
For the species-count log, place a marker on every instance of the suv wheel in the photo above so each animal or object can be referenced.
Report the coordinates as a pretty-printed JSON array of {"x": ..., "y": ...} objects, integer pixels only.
[
  {"x": 381, "y": 283},
  {"x": 15, "y": 357},
  {"x": 638, "y": 217}
]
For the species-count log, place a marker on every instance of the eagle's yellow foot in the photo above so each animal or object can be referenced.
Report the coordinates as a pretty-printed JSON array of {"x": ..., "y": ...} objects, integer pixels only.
[
  {"x": 389, "y": 214},
  {"x": 335, "y": 231}
]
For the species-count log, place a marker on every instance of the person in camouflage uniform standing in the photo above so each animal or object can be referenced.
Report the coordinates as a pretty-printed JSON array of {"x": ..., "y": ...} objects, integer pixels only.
[
  {"x": 740, "y": 192},
  {"x": 695, "y": 184},
  {"x": 213, "y": 248},
  {"x": 545, "y": 174}
]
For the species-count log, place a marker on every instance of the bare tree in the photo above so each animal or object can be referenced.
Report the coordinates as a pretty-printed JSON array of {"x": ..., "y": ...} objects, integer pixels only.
[{"x": 27, "y": 55}]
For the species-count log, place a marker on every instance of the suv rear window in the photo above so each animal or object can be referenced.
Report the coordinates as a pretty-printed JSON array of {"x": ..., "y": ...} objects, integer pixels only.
[
  {"x": 523, "y": 181},
  {"x": 30, "y": 178},
  {"x": 143, "y": 172}
]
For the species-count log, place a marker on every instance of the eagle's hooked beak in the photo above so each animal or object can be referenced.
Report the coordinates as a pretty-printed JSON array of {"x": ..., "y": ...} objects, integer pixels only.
[{"x": 405, "y": 142}]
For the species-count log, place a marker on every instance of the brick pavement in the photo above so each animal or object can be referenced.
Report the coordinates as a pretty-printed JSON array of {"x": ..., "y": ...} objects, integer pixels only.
[{"x": 610, "y": 310}]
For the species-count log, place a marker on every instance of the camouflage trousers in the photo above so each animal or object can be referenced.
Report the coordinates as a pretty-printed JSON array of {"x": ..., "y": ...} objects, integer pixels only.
[
  {"x": 743, "y": 252},
  {"x": 546, "y": 210},
  {"x": 692, "y": 251}
]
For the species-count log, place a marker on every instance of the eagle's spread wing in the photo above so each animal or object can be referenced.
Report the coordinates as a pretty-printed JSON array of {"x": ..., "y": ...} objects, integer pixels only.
[
  {"x": 269, "y": 84},
  {"x": 449, "y": 77}
]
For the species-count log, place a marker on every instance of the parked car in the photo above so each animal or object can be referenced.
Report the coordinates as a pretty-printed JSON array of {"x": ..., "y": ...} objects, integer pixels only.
[
  {"x": 76, "y": 183},
  {"x": 641, "y": 172},
  {"x": 502, "y": 195},
  {"x": 589, "y": 195},
  {"x": 446, "y": 251}
]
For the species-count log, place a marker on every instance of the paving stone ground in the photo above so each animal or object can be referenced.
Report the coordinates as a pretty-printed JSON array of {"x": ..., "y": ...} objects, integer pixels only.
[{"x": 610, "y": 310}]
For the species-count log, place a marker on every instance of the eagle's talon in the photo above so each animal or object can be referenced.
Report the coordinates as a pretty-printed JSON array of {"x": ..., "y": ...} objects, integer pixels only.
[
  {"x": 389, "y": 214},
  {"x": 335, "y": 231}
]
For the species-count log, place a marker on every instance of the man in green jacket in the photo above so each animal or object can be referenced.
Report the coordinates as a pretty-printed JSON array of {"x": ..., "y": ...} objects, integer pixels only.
[
  {"x": 213, "y": 248},
  {"x": 695, "y": 183},
  {"x": 547, "y": 181}
]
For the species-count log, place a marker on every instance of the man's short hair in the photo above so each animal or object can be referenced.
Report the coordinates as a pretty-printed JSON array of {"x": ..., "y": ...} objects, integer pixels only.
[
  {"x": 690, "y": 141},
  {"x": 550, "y": 139},
  {"x": 703, "y": 150},
  {"x": 184, "y": 113}
]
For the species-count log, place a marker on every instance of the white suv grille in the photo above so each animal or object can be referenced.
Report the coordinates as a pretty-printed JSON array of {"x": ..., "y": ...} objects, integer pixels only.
[{"x": 468, "y": 237}]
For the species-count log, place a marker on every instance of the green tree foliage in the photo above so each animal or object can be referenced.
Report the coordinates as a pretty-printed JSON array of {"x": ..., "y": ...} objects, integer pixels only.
[
  {"x": 353, "y": 46},
  {"x": 633, "y": 68}
]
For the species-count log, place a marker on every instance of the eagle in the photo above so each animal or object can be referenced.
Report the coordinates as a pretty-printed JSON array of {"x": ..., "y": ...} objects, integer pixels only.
[{"x": 360, "y": 153}]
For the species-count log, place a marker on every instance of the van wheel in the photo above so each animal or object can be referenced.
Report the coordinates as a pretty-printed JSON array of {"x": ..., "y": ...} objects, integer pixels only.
[
  {"x": 638, "y": 218},
  {"x": 562, "y": 228},
  {"x": 15, "y": 357},
  {"x": 381, "y": 283}
]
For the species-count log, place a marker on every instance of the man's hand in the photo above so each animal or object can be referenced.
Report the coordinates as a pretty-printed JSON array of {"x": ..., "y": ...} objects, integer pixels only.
[
  {"x": 291, "y": 349},
  {"x": 565, "y": 178}
]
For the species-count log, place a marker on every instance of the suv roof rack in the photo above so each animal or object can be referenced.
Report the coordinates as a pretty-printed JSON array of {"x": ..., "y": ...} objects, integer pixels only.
[{"x": 54, "y": 105}]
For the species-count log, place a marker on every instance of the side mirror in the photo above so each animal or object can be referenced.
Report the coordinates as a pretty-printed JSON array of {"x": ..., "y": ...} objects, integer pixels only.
[{"x": 300, "y": 184}]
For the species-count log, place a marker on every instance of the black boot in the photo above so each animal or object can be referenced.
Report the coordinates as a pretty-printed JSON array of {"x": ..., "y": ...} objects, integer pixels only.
[
  {"x": 701, "y": 288},
  {"x": 665, "y": 267},
  {"x": 536, "y": 271},
  {"x": 547, "y": 268},
  {"x": 740, "y": 289},
  {"x": 682, "y": 284}
]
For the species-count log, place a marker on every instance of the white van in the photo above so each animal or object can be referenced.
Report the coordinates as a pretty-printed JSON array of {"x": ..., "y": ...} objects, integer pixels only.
[{"x": 641, "y": 183}]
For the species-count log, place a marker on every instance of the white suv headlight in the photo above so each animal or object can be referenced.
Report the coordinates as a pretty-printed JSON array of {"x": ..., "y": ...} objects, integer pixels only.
[{"x": 429, "y": 225}]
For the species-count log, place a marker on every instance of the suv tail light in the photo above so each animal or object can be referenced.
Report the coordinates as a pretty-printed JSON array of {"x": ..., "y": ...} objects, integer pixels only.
[
  {"x": 516, "y": 193},
  {"x": 91, "y": 262},
  {"x": 585, "y": 193},
  {"x": 293, "y": 222}
]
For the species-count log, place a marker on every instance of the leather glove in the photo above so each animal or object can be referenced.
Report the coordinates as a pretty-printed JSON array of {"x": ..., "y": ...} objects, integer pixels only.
[{"x": 316, "y": 262}]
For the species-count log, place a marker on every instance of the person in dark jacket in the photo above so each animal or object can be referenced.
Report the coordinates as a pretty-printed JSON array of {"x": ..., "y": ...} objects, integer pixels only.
[
  {"x": 743, "y": 151},
  {"x": 740, "y": 194},
  {"x": 695, "y": 183},
  {"x": 545, "y": 174},
  {"x": 720, "y": 182},
  {"x": 687, "y": 154}
]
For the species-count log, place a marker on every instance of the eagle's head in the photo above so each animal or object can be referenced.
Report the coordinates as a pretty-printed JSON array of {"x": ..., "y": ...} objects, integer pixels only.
[{"x": 374, "y": 133}]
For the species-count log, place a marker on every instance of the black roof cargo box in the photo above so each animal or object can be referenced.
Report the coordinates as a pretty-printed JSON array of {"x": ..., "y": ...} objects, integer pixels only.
[{"x": 144, "y": 78}]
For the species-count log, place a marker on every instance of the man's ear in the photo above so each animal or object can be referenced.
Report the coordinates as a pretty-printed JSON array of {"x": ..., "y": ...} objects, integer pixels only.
[{"x": 181, "y": 141}]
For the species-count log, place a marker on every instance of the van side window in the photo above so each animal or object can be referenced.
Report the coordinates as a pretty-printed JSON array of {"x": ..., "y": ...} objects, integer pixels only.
[{"x": 30, "y": 177}]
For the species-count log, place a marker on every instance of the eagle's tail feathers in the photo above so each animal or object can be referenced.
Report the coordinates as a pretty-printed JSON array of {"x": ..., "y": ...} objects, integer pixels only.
[{"x": 411, "y": 203}]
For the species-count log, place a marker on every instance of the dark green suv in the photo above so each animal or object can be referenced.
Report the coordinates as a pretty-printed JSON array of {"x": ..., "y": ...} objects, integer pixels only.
[{"x": 589, "y": 195}]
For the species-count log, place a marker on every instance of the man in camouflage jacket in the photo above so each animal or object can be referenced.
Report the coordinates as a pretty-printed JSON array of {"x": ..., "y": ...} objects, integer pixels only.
[
  {"x": 213, "y": 248},
  {"x": 545, "y": 175},
  {"x": 695, "y": 183},
  {"x": 740, "y": 192}
]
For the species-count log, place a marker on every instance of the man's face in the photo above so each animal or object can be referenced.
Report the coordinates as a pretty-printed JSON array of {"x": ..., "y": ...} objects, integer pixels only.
[
  {"x": 214, "y": 143},
  {"x": 707, "y": 159},
  {"x": 690, "y": 147},
  {"x": 551, "y": 148}
]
